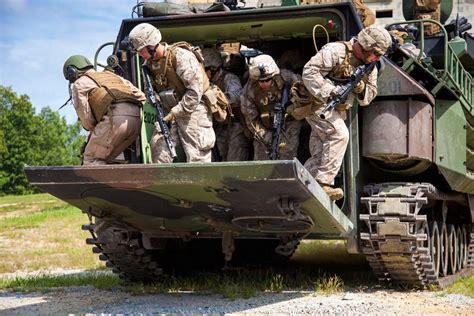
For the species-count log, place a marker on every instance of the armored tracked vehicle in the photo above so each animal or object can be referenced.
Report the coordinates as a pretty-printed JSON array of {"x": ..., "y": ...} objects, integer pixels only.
[{"x": 407, "y": 175}]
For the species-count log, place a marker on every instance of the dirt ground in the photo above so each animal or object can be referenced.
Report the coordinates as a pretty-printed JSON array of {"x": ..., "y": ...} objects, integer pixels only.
[{"x": 85, "y": 299}]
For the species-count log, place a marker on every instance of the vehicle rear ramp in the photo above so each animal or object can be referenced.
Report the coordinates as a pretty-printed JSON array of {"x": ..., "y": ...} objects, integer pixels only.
[{"x": 256, "y": 198}]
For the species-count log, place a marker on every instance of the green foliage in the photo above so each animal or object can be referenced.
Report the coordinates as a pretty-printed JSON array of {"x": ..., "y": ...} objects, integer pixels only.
[
  {"x": 276, "y": 284},
  {"x": 30, "y": 139}
]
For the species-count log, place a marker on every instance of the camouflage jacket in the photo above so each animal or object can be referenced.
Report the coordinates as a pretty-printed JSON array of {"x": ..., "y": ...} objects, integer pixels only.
[
  {"x": 189, "y": 71},
  {"x": 320, "y": 65}
]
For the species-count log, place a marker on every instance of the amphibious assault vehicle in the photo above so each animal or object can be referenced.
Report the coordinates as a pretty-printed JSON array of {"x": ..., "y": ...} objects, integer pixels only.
[{"x": 407, "y": 175}]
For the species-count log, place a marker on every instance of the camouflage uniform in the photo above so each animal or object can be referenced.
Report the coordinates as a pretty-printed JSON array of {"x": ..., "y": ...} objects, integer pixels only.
[
  {"x": 257, "y": 108},
  {"x": 366, "y": 15},
  {"x": 230, "y": 137},
  {"x": 116, "y": 129},
  {"x": 428, "y": 9},
  {"x": 192, "y": 127},
  {"x": 329, "y": 137}
]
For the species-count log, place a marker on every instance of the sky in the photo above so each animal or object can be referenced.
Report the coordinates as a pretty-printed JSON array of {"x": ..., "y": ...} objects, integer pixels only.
[{"x": 37, "y": 36}]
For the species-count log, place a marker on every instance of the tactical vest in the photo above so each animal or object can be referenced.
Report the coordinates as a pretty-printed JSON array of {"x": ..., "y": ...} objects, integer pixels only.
[
  {"x": 164, "y": 70},
  {"x": 110, "y": 90},
  {"x": 226, "y": 113},
  {"x": 342, "y": 72},
  {"x": 266, "y": 99}
]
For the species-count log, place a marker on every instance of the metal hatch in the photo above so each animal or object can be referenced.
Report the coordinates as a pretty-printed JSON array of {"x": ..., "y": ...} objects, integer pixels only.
[
  {"x": 252, "y": 24},
  {"x": 262, "y": 197}
]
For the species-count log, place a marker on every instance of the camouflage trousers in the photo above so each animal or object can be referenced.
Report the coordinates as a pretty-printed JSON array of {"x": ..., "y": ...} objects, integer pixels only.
[
  {"x": 327, "y": 143},
  {"x": 289, "y": 142},
  {"x": 118, "y": 129},
  {"x": 194, "y": 132},
  {"x": 231, "y": 141}
]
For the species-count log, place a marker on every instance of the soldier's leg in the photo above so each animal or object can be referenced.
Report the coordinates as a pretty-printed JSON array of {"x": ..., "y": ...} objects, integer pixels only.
[
  {"x": 315, "y": 148},
  {"x": 222, "y": 140},
  {"x": 159, "y": 149},
  {"x": 125, "y": 128},
  {"x": 330, "y": 138},
  {"x": 197, "y": 135},
  {"x": 291, "y": 139},
  {"x": 238, "y": 143},
  {"x": 334, "y": 146},
  {"x": 98, "y": 147}
]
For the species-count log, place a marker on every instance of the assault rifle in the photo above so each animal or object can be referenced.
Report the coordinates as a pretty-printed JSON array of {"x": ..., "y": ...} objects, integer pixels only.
[
  {"x": 150, "y": 93},
  {"x": 347, "y": 88},
  {"x": 279, "y": 122}
]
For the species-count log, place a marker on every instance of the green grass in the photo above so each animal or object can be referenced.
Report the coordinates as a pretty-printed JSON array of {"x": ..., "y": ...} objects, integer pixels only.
[
  {"x": 41, "y": 283},
  {"x": 464, "y": 286},
  {"x": 32, "y": 198},
  {"x": 329, "y": 284},
  {"x": 245, "y": 283},
  {"x": 36, "y": 219},
  {"x": 43, "y": 235}
]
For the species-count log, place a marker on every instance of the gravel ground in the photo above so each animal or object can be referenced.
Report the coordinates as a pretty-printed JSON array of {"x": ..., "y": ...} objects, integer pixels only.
[{"x": 85, "y": 299}]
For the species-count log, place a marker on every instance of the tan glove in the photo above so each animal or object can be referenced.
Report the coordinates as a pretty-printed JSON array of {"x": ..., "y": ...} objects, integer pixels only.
[
  {"x": 170, "y": 117},
  {"x": 359, "y": 88},
  {"x": 263, "y": 136},
  {"x": 341, "y": 107}
]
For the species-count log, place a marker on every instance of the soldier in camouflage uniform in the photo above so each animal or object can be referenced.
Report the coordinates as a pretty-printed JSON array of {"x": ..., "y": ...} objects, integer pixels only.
[
  {"x": 336, "y": 61},
  {"x": 230, "y": 138},
  {"x": 366, "y": 15},
  {"x": 428, "y": 9},
  {"x": 261, "y": 92},
  {"x": 107, "y": 106},
  {"x": 178, "y": 67}
]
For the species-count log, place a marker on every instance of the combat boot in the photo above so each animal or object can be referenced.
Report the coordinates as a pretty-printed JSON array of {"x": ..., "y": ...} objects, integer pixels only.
[{"x": 333, "y": 193}]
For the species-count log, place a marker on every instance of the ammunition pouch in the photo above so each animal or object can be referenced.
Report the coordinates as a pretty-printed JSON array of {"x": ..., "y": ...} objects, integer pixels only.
[
  {"x": 303, "y": 103},
  {"x": 168, "y": 99},
  {"x": 217, "y": 103}
]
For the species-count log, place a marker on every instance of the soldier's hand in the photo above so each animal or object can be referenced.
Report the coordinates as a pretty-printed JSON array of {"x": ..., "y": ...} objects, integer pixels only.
[
  {"x": 359, "y": 88},
  {"x": 341, "y": 107},
  {"x": 170, "y": 117},
  {"x": 263, "y": 136},
  {"x": 335, "y": 91}
]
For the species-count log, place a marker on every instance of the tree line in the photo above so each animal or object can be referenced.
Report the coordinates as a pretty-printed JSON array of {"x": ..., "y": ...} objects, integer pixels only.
[{"x": 32, "y": 139}]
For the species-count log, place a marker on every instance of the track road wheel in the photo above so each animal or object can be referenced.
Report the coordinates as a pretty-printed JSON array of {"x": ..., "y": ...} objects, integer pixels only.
[
  {"x": 435, "y": 241},
  {"x": 460, "y": 248},
  {"x": 443, "y": 232},
  {"x": 453, "y": 249},
  {"x": 466, "y": 246}
]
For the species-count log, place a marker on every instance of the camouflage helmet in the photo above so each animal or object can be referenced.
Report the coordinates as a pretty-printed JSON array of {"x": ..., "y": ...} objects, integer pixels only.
[
  {"x": 75, "y": 65},
  {"x": 375, "y": 38},
  {"x": 212, "y": 58},
  {"x": 263, "y": 67},
  {"x": 143, "y": 35}
]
